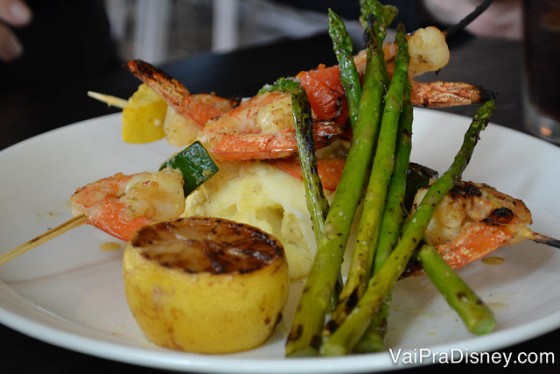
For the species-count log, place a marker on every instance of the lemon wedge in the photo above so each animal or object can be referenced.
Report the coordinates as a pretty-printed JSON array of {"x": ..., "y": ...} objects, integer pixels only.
[
  {"x": 143, "y": 116},
  {"x": 205, "y": 285}
]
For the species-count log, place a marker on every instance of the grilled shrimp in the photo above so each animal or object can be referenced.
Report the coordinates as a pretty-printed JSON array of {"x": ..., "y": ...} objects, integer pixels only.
[
  {"x": 121, "y": 204},
  {"x": 427, "y": 48},
  {"x": 428, "y": 52},
  {"x": 442, "y": 94},
  {"x": 260, "y": 128},
  {"x": 473, "y": 220}
]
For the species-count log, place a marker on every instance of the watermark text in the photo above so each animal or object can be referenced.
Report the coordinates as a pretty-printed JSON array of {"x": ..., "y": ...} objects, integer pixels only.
[{"x": 455, "y": 356}]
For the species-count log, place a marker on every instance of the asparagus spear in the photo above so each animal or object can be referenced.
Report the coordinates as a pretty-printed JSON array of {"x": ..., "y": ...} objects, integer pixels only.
[
  {"x": 306, "y": 331},
  {"x": 344, "y": 339},
  {"x": 374, "y": 338},
  {"x": 395, "y": 209},
  {"x": 476, "y": 315},
  {"x": 317, "y": 203},
  {"x": 342, "y": 46},
  {"x": 349, "y": 77},
  {"x": 385, "y": 14},
  {"x": 374, "y": 201}
]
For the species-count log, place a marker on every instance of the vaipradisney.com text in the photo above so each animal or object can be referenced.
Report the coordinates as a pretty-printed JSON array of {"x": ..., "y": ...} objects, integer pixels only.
[{"x": 455, "y": 356}]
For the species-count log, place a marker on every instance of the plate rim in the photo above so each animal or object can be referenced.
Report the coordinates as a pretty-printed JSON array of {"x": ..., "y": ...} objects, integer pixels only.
[{"x": 189, "y": 361}]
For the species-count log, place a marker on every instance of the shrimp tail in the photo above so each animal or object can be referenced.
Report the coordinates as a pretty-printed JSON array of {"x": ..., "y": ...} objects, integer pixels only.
[
  {"x": 169, "y": 88},
  {"x": 474, "y": 220},
  {"x": 446, "y": 94},
  {"x": 198, "y": 108}
]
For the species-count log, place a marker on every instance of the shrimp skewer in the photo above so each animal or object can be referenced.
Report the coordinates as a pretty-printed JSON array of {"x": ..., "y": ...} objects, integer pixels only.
[
  {"x": 262, "y": 127},
  {"x": 473, "y": 220},
  {"x": 244, "y": 133},
  {"x": 122, "y": 204},
  {"x": 118, "y": 205}
]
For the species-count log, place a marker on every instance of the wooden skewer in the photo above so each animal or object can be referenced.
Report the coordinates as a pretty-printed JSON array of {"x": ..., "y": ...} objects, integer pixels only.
[
  {"x": 544, "y": 239},
  {"x": 117, "y": 102},
  {"x": 43, "y": 238},
  {"x": 462, "y": 24},
  {"x": 72, "y": 222}
]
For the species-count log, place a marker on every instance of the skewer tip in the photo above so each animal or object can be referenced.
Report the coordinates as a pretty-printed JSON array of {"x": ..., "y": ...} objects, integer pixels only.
[
  {"x": 42, "y": 238},
  {"x": 544, "y": 239},
  {"x": 114, "y": 101}
]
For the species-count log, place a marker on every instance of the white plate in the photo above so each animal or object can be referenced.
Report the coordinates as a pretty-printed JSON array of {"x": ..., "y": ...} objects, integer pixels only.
[{"x": 69, "y": 291}]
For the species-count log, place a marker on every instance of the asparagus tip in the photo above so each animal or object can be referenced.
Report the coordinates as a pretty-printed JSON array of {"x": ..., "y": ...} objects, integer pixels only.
[{"x": 486, "y": 94}]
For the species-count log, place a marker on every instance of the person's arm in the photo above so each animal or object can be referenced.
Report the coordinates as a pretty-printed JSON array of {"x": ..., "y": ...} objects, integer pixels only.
[{"x": 13, "y": 13}]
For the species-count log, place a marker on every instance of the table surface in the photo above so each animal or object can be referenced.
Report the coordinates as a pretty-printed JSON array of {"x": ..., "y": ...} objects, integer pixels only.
[{"x": 494, "y": 64}]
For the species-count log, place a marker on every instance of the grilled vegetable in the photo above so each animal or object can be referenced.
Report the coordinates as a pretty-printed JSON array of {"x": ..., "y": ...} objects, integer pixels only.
[
  {"x": 374, "y": 200},
  {"x": 476, "y": 315},
  {"x": 349, "y": 333},
  {"x": 307, "y": 326},
  {"x": 393, "y": 216},
  {"x": 195, "y": 164},
  {"x": 317, "y": 203}
]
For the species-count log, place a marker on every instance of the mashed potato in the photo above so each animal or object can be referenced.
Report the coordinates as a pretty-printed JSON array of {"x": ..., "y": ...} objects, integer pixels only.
[{"x": 261, "y": 195}]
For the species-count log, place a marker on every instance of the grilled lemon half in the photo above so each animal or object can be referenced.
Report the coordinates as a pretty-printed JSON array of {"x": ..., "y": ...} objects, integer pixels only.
[{"x": 205, "y": 285}]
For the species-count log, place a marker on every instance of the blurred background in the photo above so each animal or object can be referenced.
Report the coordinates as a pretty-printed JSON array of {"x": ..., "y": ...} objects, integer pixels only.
[
  {"x": 71, "y": 47},
  {"x": 68, "y": 41},
  {"x": 165, "y": 30}
]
